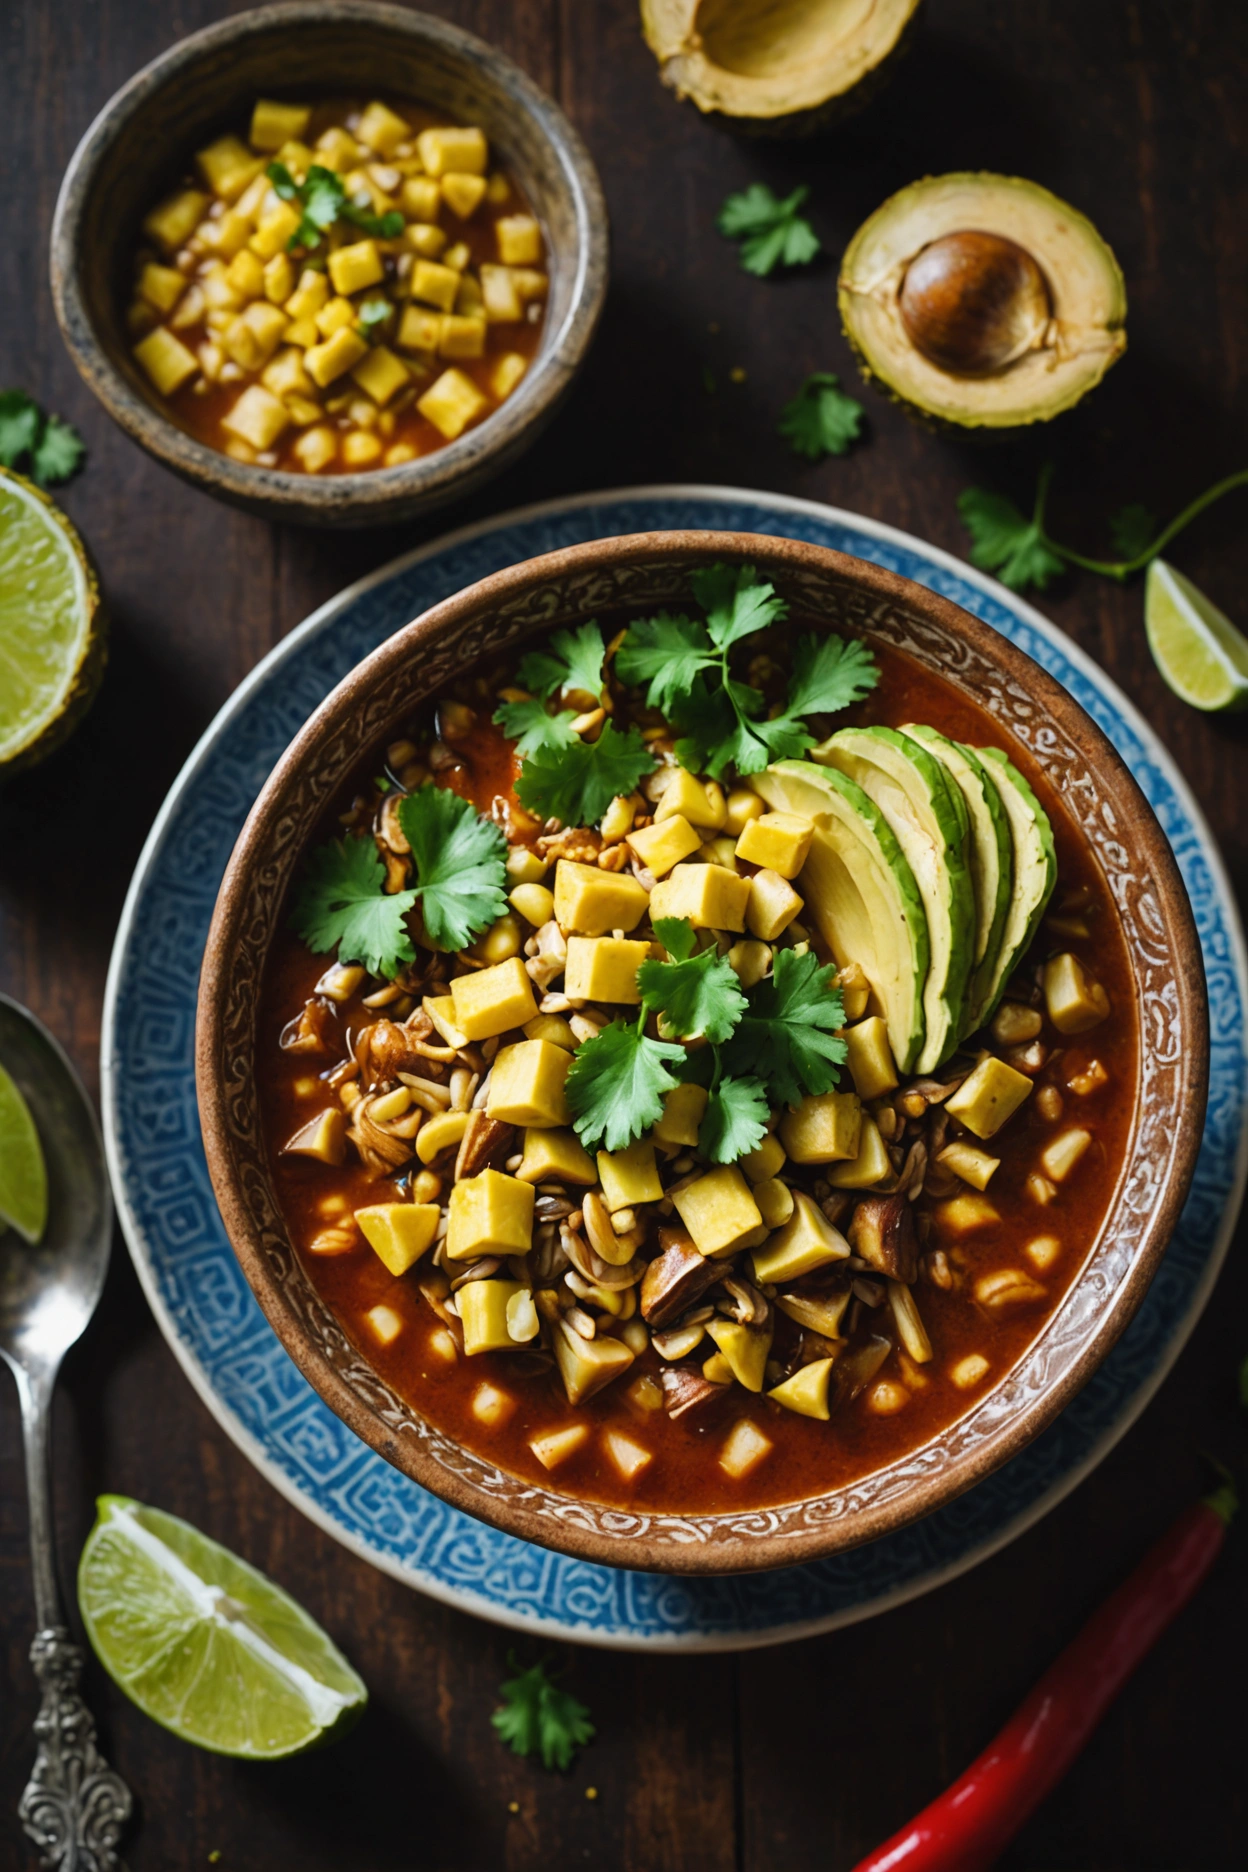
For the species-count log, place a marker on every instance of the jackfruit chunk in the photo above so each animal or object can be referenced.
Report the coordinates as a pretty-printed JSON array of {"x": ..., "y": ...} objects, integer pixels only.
[
  {"x": 399, "y": 1232},
  {"x": 806, "y": 1242},
  {"x": 490, "y": 1214},
  {"x": 585, "y": 1365},
  {"x": 483, "y": 1313},
  {"x": 992, "y": 1093},
  {"x": 1075, "y": 1001},
  {"x": 629, "y": 1176},
  {"x": 869, "y": 1167},
  {"x": 664, "y": 844},
  {"x": 594, "y": 902},
  {"x": 603, "y": 968},
  {"x": 683, "y": 1110},
  {"x": 773, "y": 905},
  {"x": 806, "y": 1392},
  {"x": 777, "y": 841},
  {"x": 323, "y": 1137},
  {"x": 720, "y": 1212},
  {"x": 745, "y": 1348},
  {"x": 493, "y": 1000},
  {"x": 556, "y": 1156},
  {"x": 700, "y": 802},
  {"x": 707, "y": 895},
  {"x": 870, "y": 1058},
  {"x": 823, "y": 1129},
  {"x": 526, "y": 1085},
  {"x": 744, "y": 1448}
]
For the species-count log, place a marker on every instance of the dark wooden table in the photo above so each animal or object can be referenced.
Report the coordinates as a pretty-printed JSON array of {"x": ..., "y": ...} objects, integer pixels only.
[{"x": 803, "y": 1756}]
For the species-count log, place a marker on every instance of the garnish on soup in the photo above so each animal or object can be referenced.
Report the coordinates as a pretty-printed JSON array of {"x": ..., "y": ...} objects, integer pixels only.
[
  {"x": 348, "y": 287},
  {"x": 706, "y": 1102}
]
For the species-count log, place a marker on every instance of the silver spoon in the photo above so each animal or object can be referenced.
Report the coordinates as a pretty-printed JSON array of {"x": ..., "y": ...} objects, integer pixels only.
[{"x": 74, "y": 1806}]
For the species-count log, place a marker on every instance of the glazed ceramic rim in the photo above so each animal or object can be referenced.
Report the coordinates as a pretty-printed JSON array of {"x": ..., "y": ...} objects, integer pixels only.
[
  {"x": 727, "y": 1551},
  {"x": 383, "y": 493}
]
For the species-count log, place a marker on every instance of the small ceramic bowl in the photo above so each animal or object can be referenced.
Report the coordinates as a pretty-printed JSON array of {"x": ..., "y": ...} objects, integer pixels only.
[
  {"x": 139, "y": 145},
  {"x": 646, "y": 572}
]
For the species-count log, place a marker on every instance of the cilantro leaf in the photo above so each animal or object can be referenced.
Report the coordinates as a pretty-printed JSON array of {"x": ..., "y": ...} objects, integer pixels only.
[
  {"x": 667, "y": 651},
  {"x": 1133, "y": 530},
  {"x": 341, "y": 904},
  {"x": 55, "y": 450},
  {"x": 789, "y": 1035},
  {"x": 1005, "y": 542},
  {"x": 322, "y": 198},
  {"x": 771, "y": 231},
  {"x": 821, "y": 419},
  {"x": 828, "y": 674},
  {"x": 372, "y": 315},
  {"x": 736, "y": 601},
  {"x": 617, "y": 1083},
  {"x": 735, "y": 1120},
  {"x": 460, "y": 865},
  {"x": 697, "y": 994},
  {"x": 531, "y": 726},
  {"x": 573, "y": 661},
  {"x": 387, "y": 226},
  {"x": 538, "y": 1718},
  {"x": 575, "y": 783}
]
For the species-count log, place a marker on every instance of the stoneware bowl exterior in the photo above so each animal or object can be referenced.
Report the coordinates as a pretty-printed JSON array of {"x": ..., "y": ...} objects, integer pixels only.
[
  {"x": 142, "y": 140},
  {"x": 644, "y": 572}
]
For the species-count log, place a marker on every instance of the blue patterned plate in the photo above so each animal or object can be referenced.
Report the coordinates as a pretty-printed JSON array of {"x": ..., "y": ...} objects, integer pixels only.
[{"x": 206, "y": 1309}]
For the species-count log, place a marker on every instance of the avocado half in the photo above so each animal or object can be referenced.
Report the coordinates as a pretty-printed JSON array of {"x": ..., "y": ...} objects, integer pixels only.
[
  {"x": 982, "y": 301},
  {"x": 782, "y": 68}
]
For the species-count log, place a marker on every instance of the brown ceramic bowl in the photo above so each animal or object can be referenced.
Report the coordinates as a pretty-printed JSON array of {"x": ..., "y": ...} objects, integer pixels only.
[
  {"x": 140, "y": 143},
  {"x": 646, "y": 571}
]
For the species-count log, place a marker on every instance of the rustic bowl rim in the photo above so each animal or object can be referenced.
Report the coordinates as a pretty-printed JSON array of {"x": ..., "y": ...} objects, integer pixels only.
[
  {"x": 380, "y": 494},
  {"x": 508, "y": 1508}
]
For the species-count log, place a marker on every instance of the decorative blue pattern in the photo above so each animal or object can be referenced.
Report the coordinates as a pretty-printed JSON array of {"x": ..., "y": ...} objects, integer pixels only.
[{"x": 215, "y": 1326}]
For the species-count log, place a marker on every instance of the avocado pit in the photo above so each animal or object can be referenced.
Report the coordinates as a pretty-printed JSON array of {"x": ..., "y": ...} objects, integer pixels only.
[{"x": 973, "y": 302}]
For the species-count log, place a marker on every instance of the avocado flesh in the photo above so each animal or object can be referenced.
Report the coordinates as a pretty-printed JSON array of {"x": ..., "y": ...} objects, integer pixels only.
[
  {"x": 991, "y": 854},
  {"x": 1085, "y": 335},
  {"x": 785, "y": 67},
  {"x": 929, "y": 818},
  {"x": 1035, "y": 872},
  {"x": 860, "y": 892}
]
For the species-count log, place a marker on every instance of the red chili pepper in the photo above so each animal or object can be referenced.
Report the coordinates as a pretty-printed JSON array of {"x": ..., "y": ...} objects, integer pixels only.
[{"x": 968, "y": 1825}]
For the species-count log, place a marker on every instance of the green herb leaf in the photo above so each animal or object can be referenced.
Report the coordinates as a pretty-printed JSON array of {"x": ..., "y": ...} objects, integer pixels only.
[
  {"x": 1005, "y": 542},
  {"x": 1132, "y": 530},
  {"x": 538, "y": 1718},
  {"x": 736, "y": 601},
  {"x": 788, "y": 1037},
  {"x": 821, "y": 419},
  {"x": 695, "y": 994},
  {"x": 617, "y": 1084},
  {"x": 341, "y": 904},
  {"x": 531, "y": 726},
  {"x": 382, "y": 227},
  {"x": 829, "y": 673},
  {"x": 666, "y": 651},
  {"x": 572, "y": 661},
  {"x": 460, "y": 864},
  {"x": 322, "y": 197},
  {"x": 49, "y": 449},
  {"x": 771, "y": 231},
  {"x": 372, "y": 316},
  {"x": 735, "y": 1120},
  {"x": 575, "y": 783}
]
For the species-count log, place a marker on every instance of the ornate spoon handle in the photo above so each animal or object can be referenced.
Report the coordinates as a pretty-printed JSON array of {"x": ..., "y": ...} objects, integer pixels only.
[{"x": 74, "y": 1806}]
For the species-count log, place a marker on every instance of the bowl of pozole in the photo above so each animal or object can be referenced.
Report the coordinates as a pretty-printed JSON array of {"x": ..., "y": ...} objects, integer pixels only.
[
  {"x": 689, "y": 1051},
  {"x": 336, "y": 264}
]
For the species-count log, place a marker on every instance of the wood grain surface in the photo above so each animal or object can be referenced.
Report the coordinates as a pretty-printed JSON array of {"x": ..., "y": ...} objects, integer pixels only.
[{"x": 805, "y": 1756}]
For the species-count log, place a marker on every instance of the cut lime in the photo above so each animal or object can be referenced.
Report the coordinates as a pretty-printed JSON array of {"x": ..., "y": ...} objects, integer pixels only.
[
  {"x": 51, "y": 628},
  {"x": 23, "y": 1178},
  {"x": 205, "y": 1644},
  {"x": 1202, "y": 656}
]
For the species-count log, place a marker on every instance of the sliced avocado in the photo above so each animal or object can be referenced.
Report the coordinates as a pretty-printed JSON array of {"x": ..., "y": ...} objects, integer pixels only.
[
  {"x": 860, "y": 891},
  {"x": 783, "y": 68},
  {"x": 1035, "y": 872},
  {"x": 929, "y": 817},
  {"x": 991, "y": 853},
  {"x": 982, "y": 301}
]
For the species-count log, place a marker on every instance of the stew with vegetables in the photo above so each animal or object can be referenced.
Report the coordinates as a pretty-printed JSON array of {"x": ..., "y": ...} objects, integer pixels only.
[
  {"x": 350, "y": 285},
  {"x": 700, "y": 1056}
]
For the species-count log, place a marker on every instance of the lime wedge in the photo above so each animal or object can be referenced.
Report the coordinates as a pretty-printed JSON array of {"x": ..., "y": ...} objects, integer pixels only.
[
  {"x": 205, "y": 1644},
  {"x": 1202, "y": 656},
  {"x": 23, "y": 1178},
  {"x": 51, "y": 633}
]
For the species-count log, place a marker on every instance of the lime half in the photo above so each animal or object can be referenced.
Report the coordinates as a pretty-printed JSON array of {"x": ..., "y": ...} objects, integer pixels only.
[
  {"x": 1202, "y": 656},
  {"x": 51, "y": 630},
  {"x": 205, "y": 1644},
  {"x": 23, "y": 1177}
]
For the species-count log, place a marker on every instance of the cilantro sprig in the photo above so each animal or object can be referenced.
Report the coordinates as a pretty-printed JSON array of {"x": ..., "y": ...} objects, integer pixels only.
[
  {"x": 697, "y": 995},
  {"x": 538, "y": 1718},
  {"x": 772, "y": 232},
  {"x": 571, "y": 663},
  {"x": 50, "y": 450},
  {"x": 1022, "y": 553},
  {"x": 726, "y": 723},
  {"x": 322, "y": 199},
  {"x": 821, "y": 419},
  {"x": 789, "y": 1035},
  {"x": 459, "y": 861}
]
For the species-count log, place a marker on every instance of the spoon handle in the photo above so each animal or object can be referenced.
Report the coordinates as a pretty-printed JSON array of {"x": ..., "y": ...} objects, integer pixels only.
[{"x": 74, "y": 1806}]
